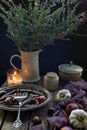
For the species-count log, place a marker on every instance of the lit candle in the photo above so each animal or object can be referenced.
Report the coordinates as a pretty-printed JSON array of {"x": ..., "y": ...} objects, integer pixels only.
[{"x": 14, "y": 77}]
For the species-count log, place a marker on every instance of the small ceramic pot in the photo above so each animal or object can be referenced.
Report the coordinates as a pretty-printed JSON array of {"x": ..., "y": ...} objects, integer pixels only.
[
  {"x": 70, "y": 71},
  {"x": 51, "y": 81}
]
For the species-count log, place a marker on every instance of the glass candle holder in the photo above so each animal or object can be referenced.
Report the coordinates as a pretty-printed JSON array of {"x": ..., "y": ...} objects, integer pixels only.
[{"x": 14, "y": 77}]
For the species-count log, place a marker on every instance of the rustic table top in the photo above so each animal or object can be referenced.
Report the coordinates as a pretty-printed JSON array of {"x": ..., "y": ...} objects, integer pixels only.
[{"x": 8, "y": 117}]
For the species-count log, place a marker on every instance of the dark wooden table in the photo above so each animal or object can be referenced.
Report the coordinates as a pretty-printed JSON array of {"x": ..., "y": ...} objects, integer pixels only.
[{"x": 8, "y": 117}]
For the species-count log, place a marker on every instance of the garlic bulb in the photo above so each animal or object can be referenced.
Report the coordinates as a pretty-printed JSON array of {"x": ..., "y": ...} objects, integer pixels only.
[
  {"x": 78, "y": 118},
  {"x": 63, "y": 95}
]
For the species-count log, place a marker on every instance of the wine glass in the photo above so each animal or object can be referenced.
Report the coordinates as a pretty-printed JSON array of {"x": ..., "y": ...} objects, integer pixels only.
[{"x": 17, "y": 123}]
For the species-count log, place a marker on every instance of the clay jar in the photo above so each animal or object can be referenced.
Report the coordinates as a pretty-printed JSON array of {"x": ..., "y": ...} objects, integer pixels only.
[{"x": 51, "y": 81}]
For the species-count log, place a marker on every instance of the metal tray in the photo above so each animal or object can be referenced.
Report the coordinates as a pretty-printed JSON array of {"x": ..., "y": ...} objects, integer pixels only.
[{"x": 27, "y": 87}]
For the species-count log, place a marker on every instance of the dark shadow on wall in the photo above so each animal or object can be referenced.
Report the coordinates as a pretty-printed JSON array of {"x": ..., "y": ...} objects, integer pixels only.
[
  {"x": 79, "y": 56},
  {"x": 52, "y": 56},
  {"x": 7, "y": 49}
]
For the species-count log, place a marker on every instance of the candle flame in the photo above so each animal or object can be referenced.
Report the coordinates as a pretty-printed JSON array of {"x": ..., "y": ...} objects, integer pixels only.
[{"x": 15, "y": 72}]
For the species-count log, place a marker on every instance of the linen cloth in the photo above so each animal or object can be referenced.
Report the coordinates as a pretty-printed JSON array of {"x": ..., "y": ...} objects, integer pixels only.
[{"x": 59, "y": 119}]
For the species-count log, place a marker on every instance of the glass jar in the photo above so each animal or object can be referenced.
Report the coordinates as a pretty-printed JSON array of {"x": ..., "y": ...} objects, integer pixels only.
[{"x": 51, "y": 81}]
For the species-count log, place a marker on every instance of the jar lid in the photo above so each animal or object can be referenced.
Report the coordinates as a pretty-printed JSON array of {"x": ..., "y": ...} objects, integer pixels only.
[
  {"x": 51, "y": 74},
  {"x": 70, "y": 68}
]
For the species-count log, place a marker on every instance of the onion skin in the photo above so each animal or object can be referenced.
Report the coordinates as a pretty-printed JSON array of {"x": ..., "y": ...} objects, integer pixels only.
[{"x": 70, "y": 107}]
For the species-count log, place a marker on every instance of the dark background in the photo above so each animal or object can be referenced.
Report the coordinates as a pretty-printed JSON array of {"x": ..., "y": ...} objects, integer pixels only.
[{"x": 52, "y": 56}]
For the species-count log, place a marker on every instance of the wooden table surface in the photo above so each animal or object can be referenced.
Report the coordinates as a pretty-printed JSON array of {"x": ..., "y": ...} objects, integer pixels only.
[{"x": 8, "y": 117}]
